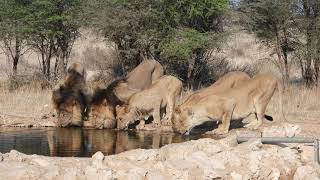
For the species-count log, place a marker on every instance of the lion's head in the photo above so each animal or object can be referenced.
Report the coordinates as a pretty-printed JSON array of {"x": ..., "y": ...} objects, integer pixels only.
[
  {"x": 182, "y": 119},
  {"x": 125, "y": 116},
  {"x": 102, "y": 115}
]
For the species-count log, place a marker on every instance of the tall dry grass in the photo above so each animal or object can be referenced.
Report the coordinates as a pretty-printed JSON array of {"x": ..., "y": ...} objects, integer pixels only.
[
  {"x": 26, "y": 102},
  {"x": 300, "y": 104}
]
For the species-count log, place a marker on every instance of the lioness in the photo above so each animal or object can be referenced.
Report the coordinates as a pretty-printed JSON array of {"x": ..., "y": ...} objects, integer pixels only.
[
  {"x": 162, "y": 93},
  {"x": 104, "y": 100},
  {"x": 70, "y": 98},
  {"x": 229, "y": 80},
  {"x": 236, "y": 103}
]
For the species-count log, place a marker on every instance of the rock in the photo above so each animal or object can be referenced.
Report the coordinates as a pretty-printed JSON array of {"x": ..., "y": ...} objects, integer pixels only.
[
  {"x": 274, "y": 174},
  {"x": 155, "y": 175},
  {"x": 98, "y": 156},
  {"x": 284, "y": 130},
  {"x": 16, "y": 156},
  {"x": 307, "y": 153},
  {"x": 93, "y": 173},
  {"x": 203, "y": 161},
  {"x": 306, "y": 172},
  {"x": 40, "y": 162},
  {"x": 254, "y": 145},
  {"x": 236, "y": 176},
  {"x": 140, "y": 155}
]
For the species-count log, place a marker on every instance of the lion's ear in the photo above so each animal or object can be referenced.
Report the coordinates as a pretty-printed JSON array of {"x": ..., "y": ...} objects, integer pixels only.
[
  {"x": 177, "y": 110},
  {"x": 118, "y": 107}
]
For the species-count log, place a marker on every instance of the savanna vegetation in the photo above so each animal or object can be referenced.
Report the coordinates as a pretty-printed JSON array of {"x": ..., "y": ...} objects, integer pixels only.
[{"x": 183, "y": 35}]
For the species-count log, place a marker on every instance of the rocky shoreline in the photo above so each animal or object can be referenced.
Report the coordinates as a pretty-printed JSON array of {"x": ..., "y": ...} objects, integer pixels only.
[{"x": 197, "y": 159}]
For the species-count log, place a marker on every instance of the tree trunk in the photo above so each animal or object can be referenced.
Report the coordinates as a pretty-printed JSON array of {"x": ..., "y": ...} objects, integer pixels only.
[
  {"x": 308, "y": 68},
  {"x": 15, "y": 65},
  {"x": 16, "y": 57}
]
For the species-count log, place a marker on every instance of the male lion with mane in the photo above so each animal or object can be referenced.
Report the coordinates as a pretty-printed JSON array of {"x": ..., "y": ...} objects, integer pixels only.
[
  {"x": 165, "y": 92},
  {"x": 233, "y": 104},
  {"x": 104, "y": 100},
  {"x": 70, "y": 99}
]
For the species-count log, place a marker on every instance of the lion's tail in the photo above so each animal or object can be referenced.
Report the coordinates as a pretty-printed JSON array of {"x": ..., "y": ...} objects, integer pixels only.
[{"x": 281, "y": 95}]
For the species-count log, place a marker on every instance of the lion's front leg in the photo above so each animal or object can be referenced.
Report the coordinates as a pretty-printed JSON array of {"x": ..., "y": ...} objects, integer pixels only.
[
  {"x": 223, "y": 128},
  {"x": 141, "y": 124},
  {"x": 167, "y": 120},
  {"x": 156, "y": 116}
]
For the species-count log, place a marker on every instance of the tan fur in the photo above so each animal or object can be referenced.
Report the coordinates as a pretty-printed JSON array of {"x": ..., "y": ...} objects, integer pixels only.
[
  {"x": 69, "y": 97},
  {"x": 164, "y": 92},
  {"x": 118, "y": 92},
  {"x": 236, "y": 103},
  {"x": 229, "y": 80},
  {"x": 138, "y": 79}
]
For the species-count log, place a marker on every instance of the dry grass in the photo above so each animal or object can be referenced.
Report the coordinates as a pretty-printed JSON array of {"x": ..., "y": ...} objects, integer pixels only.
[
  {"x": 300, "y": 104},
  {"x": 241, "y": 49},
  {"x": 25, "y": 103}
]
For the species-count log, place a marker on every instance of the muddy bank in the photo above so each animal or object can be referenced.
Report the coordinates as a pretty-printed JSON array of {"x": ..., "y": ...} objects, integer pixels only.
[{"x": 199, "y": 159}]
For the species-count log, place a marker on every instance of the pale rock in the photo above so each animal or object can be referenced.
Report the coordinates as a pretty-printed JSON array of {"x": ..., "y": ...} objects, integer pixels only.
[
  {"x": 248, "y": 133},
  {"x": 177, "y": 151},
  {"x": 229, "y": 141},
  {"x": 140, "y": 155},
  {"x": 306, "y": 172},
  {"x": 16, "y": 156},
  {"x": 274, "y": 174},
  {"x": 98, "y": 156},
  {"x": 93, "y": 173},
  {"x": 132, "y": 174},
  {"x": 202, "y": 160},
  {"x": 284, "y": 130},
  {"x": 236, "y": 176},
  {"x": 254, "y": 145},
  {"x": 156, "y": 175},
  {"x": 307, "y": 153},
  {"x": 40, "y": 161},
  {"x": 73, "y": 173},
  {"x": 255, "y": 159},
  {"x": 52, "y": 173}
]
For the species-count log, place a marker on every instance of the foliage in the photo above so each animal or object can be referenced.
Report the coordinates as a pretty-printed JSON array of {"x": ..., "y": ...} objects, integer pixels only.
[
  {"x": 181, "y": 30},
  {"x": 14, "y": 29},
  {"x": 288, "y": 26}
]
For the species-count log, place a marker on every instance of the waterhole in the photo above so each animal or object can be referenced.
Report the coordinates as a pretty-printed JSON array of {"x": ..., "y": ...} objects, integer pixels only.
[{"x": 77, "y": 142}]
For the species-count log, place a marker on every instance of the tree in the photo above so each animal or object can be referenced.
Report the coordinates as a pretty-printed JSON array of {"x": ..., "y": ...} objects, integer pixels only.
[
  {"x": 307, "y": 20},
  {"x": 179, "y": 33},
  {"x": 272, "y": 22},
  {"x": 44, "y": 33},
  {"x": 14, "y": 30},
  {"x": 66, "y": 22}
]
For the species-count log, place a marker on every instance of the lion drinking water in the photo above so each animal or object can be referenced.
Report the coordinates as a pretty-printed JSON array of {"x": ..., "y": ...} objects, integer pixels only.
[
  {"x": 164, "y": 92},
  {"x": 235, "y": 103}
]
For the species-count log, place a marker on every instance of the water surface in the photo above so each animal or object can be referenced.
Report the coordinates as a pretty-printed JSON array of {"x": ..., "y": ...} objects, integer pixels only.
[{"x": 67, "y": 142}]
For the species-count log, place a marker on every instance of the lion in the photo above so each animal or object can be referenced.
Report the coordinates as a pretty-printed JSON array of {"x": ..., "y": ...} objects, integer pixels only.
[
  {"x": 148, "y": 71},
  {"x": 233, "y": 104},
  {"x": 70, "y": 99},
  {"x": 229, "y": 80},
  {"x": 163, "y": 93},
  {"x": 104, "y": 100},
  {"x": 102, "y": 107}
]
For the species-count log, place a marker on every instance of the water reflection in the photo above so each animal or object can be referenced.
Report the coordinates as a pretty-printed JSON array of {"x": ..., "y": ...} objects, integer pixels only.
[{"x": 79, "y": 142}]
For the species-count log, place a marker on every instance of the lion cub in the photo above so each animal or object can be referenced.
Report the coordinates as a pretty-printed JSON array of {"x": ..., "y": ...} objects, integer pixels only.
[{"x": 163, "y": 93}]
